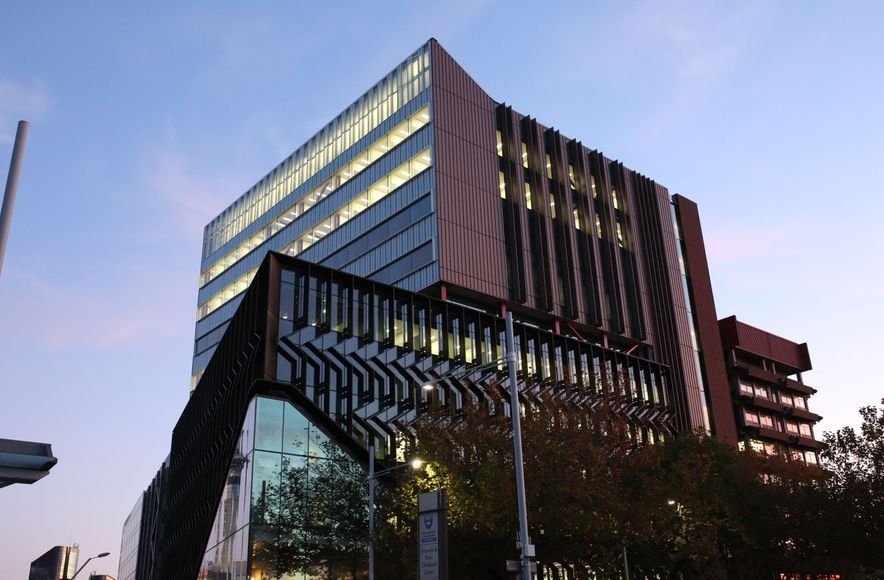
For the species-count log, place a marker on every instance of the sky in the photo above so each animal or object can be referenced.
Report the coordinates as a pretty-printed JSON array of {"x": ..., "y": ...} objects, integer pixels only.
[{"x": 148, "y": 119}]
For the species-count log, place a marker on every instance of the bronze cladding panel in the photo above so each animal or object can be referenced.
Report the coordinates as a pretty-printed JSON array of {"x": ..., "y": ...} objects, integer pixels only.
[
  {"x": 736, "y": 334},
  {"x": 471, "y": 238},
  {"x": 709, "y": 339}
]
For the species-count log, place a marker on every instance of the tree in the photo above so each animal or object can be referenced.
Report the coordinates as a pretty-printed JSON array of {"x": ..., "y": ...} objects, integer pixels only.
[
  {"x": 587, "y": 487},
  {"x": 315, "y": 519},
  {"x": 850, "y": 531}
]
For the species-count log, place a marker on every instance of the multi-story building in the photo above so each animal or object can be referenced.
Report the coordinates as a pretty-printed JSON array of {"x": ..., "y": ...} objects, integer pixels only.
[
  {"x": 316, "y": 366},
  {"x": 419, "y": 216},
  {"x": 770, "y": 397},
  {"x": 56, "y": 564},
  {"x": 430, "y": 185}
]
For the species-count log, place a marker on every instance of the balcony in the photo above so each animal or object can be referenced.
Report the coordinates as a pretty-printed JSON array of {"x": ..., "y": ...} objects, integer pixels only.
[{"x": 799, "y": 387}]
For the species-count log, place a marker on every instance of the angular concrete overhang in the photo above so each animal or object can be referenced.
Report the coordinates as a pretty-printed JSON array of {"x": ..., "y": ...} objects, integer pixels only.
[{"x": 24, "y": 461}]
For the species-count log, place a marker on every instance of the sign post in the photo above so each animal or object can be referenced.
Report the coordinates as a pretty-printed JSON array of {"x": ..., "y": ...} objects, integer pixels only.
[{"x": 432, "y": 536}]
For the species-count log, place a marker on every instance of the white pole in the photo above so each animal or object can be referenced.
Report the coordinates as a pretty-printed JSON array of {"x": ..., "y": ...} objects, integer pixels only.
[
  {"x": 18, "y": 153},
  {"x": 515, "y": 413}
]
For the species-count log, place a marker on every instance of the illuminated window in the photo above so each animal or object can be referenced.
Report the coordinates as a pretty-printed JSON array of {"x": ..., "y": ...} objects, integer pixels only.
[
  {"x": 358, "y": 204},
  {"x": 762, "y": 391},
  {"x": 792, "y": 427},
  {"x": 800, "y": 402},
  {"x": 524, "y": 156},
  {"x": 756, "y": 446},
  {"x": 771, "y": 449},
  {"x": 499, "y": 144},
  {"x": 614, "y": 197},
  {"x": 502, "y": 184},
  {"x": 766, "y": 421},
  {"x": 370, "y": 110},
  {"x": 746, "y": 388},
  {"x": 552, "y": 206},
  {"x": 751, "y": 417},
  {"x": 620, "y": 235},
  {"x": 576, "y": 219},
  {"x": 374, "y": 152},
  {"x": 528, "y": 195},
  {"x": 548, "y": 167},
  {"x": 786, "y": 399},
  {"x": 598, "y": 226},
  {"x": 572, "y": 180},
  {"x": 804, "y": 430},
  {"x": 810, "y": 457},
  {"x": 595, "y": 193}
]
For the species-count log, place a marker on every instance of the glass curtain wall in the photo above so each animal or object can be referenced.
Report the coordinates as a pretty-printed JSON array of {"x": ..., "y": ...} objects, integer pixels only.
[{"x": 294, "y": 506}]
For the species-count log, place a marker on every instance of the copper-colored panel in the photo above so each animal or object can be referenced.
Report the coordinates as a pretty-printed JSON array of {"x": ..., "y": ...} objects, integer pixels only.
[{"x": 707, "y": 321}]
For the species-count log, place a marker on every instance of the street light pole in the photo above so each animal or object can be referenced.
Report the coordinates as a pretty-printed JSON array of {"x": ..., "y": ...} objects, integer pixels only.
[
  {"x": 18, "y": 152},
  {"x": 518, "y": 461},
  {"x": 101, "y": 555},
  {"x": 371, "y": 511}
]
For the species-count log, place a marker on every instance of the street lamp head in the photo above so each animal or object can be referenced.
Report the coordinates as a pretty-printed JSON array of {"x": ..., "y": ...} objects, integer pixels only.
[
  {"x": 670, "y": 502},
  {"x": 417, "y": 463},
  {"x": 103, "y": 554},
  {"x": 429, "y": 386}
]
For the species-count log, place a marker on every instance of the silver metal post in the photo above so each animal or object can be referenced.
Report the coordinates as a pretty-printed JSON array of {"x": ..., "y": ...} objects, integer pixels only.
[
  {"x": 18, "y": 151},
  {"x": 371, "y": 511},
  {"x": 625, "y": 563},
  {"x": 515, "y": 413}
]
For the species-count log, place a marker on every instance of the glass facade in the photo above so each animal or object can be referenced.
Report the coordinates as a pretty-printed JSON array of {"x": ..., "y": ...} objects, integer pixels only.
[
  {"x": 396, "y": 89},
  {"x": 379, "y": 147},
  {"x": 129, "y": 544},
  {"x": 294, "y": 504}
]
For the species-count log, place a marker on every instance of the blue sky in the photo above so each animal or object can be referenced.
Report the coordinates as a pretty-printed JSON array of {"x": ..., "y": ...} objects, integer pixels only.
[{"x": 147, "y": 120}]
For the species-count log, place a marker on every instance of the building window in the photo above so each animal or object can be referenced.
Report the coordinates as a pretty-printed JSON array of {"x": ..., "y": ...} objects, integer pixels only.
[
  {"x": 746, "y": 388},
  {"x": 800, "y": 402},
  {"x": 572, "y": 180},
  {"x": 524, "y": 156},
  {"x": 762, "y": 391},
  {"x": 810, "y": 457},
  {"x": 502, "y": 184},
  {"x": 499, "y": 144},
  {"x": 792, "y": 427},
  {"x": 576, "y": 219},
  {"x": 756, "y": 446},
  {"x": 528, "y": 195},
  {"x": 751, "y": 417},
  {"x": 805, "y": 431},
  {"x": 548, "y": 167},
  {"x": 767, "y": 421},
  {"x": 786, "y": 399},
  {"x": 614, "y": 197},
  {"x": 595, "y": 192}
]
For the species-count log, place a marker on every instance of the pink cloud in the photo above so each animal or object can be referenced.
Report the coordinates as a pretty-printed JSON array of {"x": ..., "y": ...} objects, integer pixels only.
[
  {"x": 741, "y": 242},
  {"x": 135, "y": 306}
]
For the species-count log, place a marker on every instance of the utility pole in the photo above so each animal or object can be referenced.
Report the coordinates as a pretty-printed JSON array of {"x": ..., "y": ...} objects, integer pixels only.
[{"x": 18, "y": 152}]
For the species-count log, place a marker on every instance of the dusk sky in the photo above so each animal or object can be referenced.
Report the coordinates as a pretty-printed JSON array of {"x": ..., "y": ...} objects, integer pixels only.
[{"x": 149, "y": 119}]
